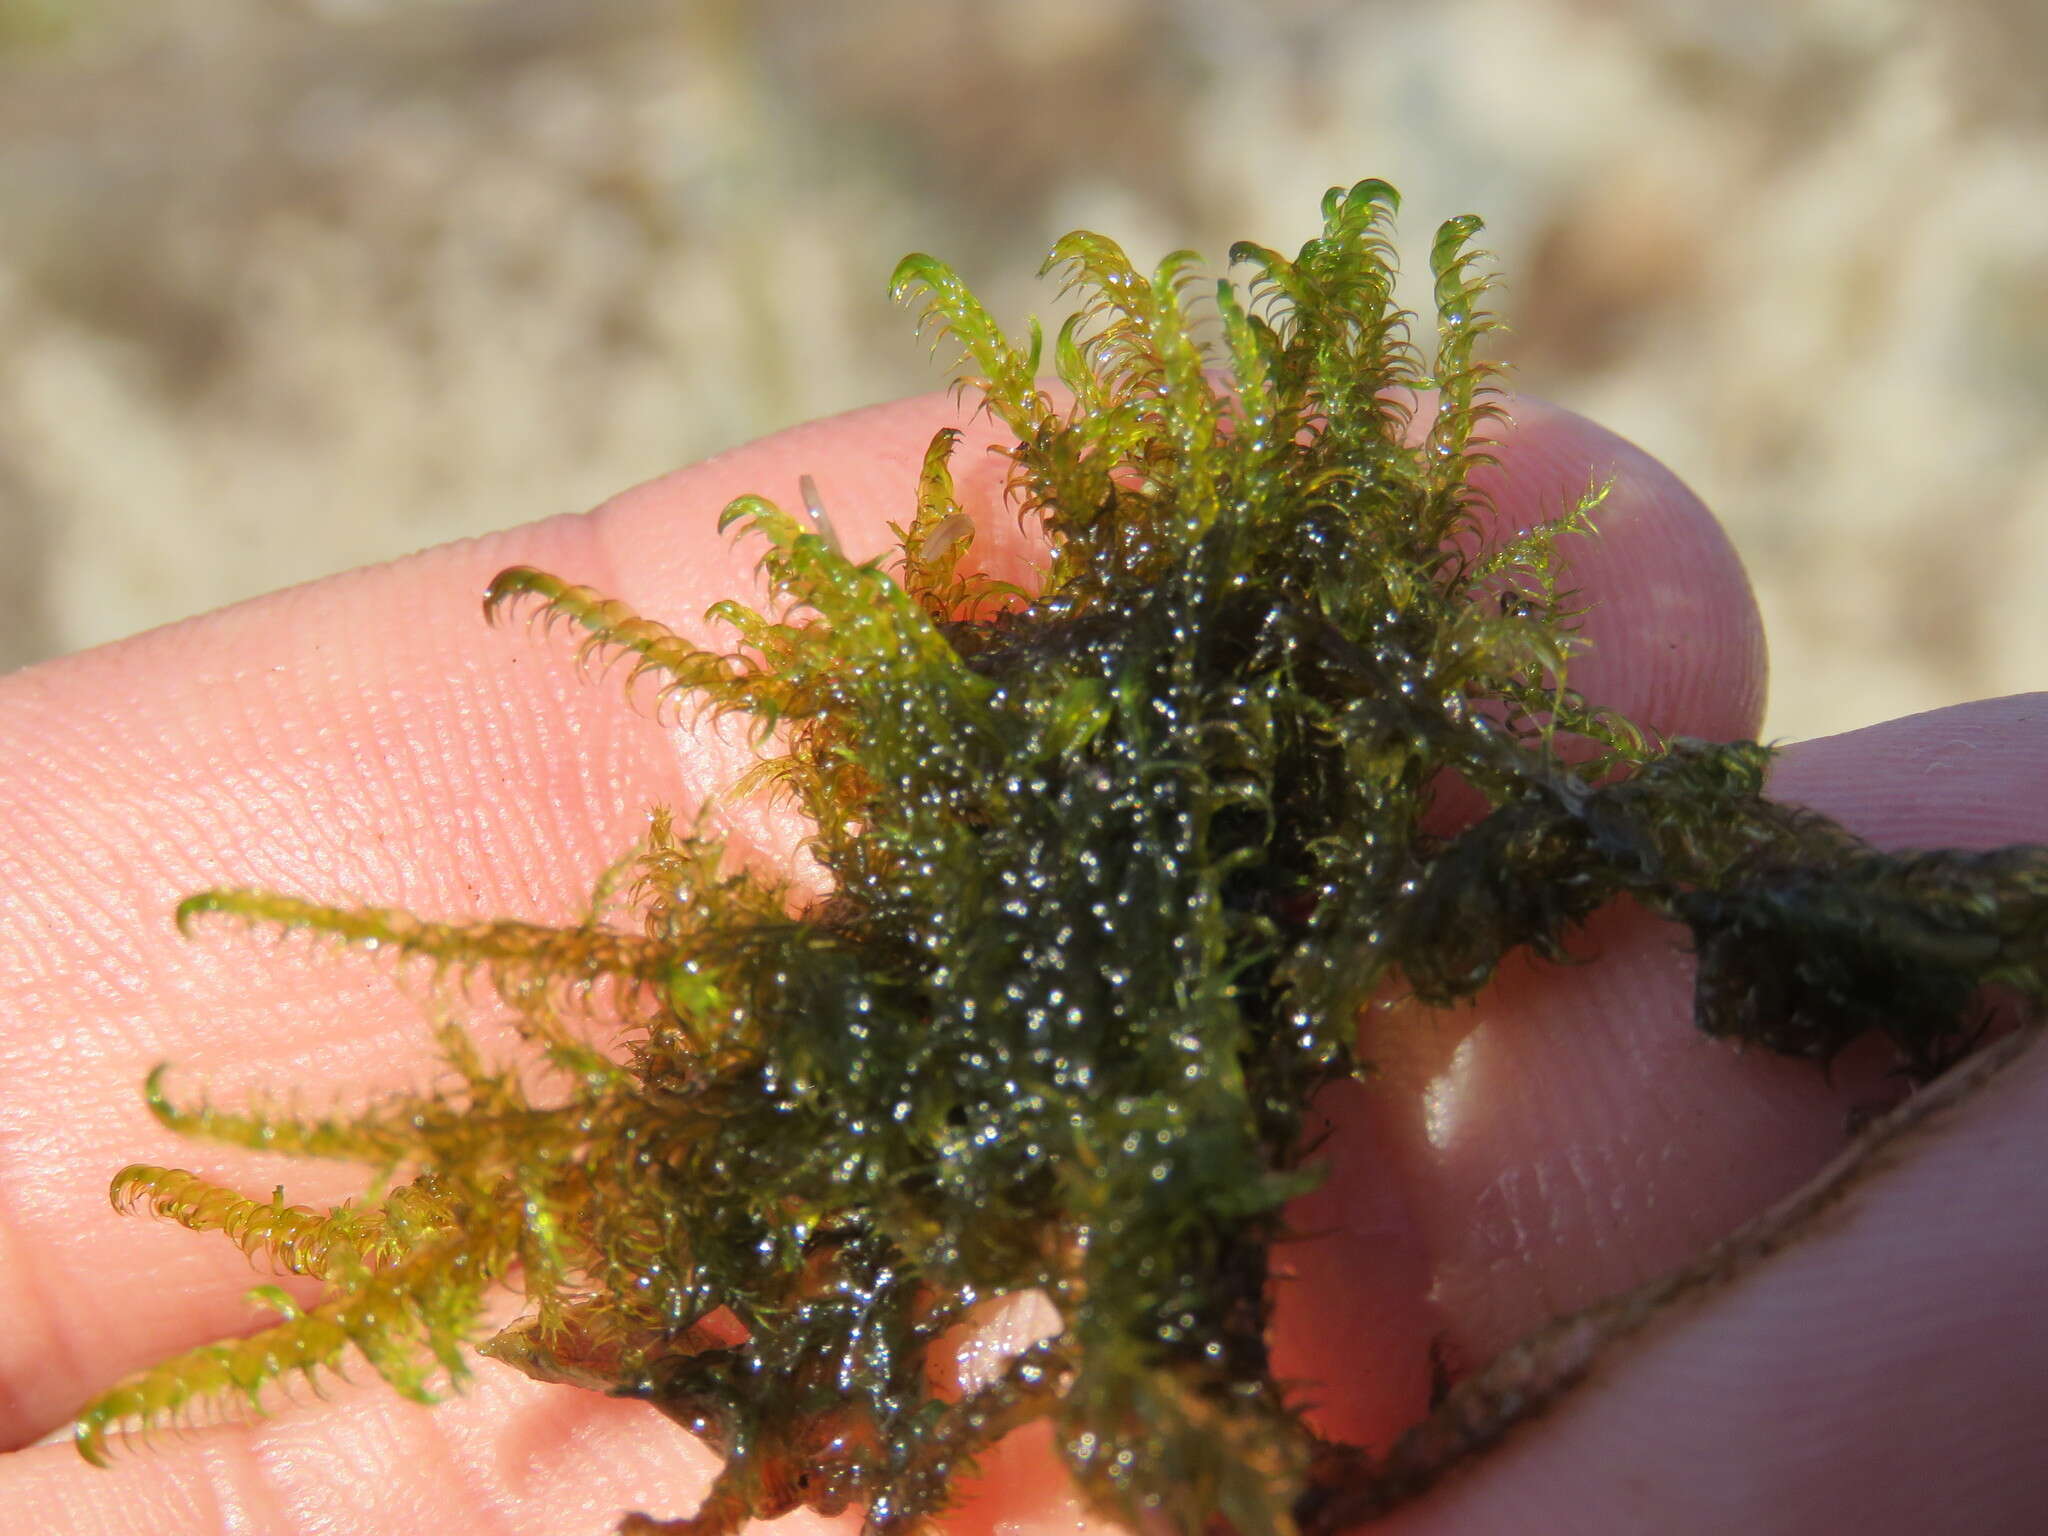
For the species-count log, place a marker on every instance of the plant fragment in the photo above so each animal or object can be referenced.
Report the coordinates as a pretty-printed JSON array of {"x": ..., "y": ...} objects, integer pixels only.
[{"x": 1114, "y": 866}]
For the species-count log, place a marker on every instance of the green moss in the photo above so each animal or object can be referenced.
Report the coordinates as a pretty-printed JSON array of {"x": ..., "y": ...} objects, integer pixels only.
[{"x": 1114, "y": 866}]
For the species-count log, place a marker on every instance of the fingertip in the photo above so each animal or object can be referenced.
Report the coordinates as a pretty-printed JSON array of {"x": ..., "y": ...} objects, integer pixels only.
[
  {"x": 1676, "y": 642},
  {"x": 1969, "y": 776}
]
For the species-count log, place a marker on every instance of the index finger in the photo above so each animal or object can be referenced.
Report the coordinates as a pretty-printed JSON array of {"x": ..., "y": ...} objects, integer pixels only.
[{"x": 363, "y": 740}]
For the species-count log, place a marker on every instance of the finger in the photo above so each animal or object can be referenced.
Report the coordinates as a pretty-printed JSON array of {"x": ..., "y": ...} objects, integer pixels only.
[
  {"x": 508, "y": 1455},
  {"x": 1887, "y": 1374},
  {"x": 1574, "y": 1135},
  {"x": 363, "y": 739},
  {"x": 1973, "y": 776},
  {"x": 1674, "y": 639}
]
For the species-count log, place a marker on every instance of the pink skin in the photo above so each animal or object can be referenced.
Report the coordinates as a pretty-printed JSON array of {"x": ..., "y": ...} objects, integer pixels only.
[{"x": 364, "y": 738}]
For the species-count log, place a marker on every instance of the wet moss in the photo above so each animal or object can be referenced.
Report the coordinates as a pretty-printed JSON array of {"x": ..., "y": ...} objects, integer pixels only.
[{"x": 1113, "y": 865}]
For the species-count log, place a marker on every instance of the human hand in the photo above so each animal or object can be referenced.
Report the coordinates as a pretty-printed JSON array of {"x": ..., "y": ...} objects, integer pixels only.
[{"x": 364, "y": 739}]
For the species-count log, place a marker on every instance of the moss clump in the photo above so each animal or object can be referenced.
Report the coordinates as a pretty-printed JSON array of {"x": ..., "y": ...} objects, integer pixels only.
[{"x": 1113, "y": 866}]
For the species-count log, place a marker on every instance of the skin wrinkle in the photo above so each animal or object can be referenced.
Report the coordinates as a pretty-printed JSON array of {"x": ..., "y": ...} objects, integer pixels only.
[
  {"x": 43, "y": 1323},
  {"x": 291, "y": 1475},
  {"x": 452, "y": 1476},
  {"x": 600, "y": 776},
  {"x": 247, "y": 1500},
  {"x": 25, "y": 1411},
  {"x": 34, "y": 1278},
  {"x": 72, "y": 933}
]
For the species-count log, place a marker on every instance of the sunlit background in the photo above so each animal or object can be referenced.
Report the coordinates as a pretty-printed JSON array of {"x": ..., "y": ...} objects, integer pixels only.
[{"x": 287, "y": 287}]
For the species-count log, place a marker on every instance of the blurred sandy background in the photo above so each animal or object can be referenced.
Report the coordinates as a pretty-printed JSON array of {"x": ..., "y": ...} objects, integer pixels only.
[{"x": 286, "y": 287}]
